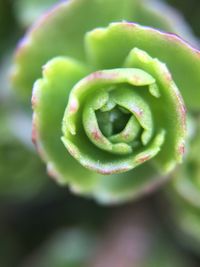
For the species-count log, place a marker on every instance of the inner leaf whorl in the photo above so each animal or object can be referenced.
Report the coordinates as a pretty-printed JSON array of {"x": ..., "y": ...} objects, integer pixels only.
[
  {"x": 117, "y": 120},
  {"x": 114, "y": 93}
]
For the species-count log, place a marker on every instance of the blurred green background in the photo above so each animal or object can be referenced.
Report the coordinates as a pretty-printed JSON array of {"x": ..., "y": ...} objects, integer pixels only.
[{"x": 44, "y": 225}]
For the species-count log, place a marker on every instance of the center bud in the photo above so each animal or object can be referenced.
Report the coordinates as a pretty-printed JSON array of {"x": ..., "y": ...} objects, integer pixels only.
[{"x": 112, "y": 121}]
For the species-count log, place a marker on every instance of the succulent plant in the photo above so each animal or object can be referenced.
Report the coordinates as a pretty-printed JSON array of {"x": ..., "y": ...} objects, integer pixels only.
[{"x": 112, "y": 90}]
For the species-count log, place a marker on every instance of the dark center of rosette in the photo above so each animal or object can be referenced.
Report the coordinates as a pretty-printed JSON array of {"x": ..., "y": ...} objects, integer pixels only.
[{"x": 113, "y": 121}]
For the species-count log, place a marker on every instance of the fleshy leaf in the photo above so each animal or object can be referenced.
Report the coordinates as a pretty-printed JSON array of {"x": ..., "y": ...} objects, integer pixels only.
[
  {"x": 172, "y": 113},
  {"x": 179, "y": 57},
  {"x": 49, "y": 99},
  {"x": 38, "y": 45}
]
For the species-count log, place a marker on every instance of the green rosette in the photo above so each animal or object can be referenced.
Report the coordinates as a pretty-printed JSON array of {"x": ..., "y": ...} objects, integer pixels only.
[
  {"x": 110, "y": 96},
  {"x": 183, "y": 195}
]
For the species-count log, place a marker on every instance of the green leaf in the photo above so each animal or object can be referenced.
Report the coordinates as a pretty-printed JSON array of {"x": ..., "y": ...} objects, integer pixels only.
[
  {"x": 61, "y": 32},
  {"x": 49, "y": 99},
  {"x": 179, "y": 57}
]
